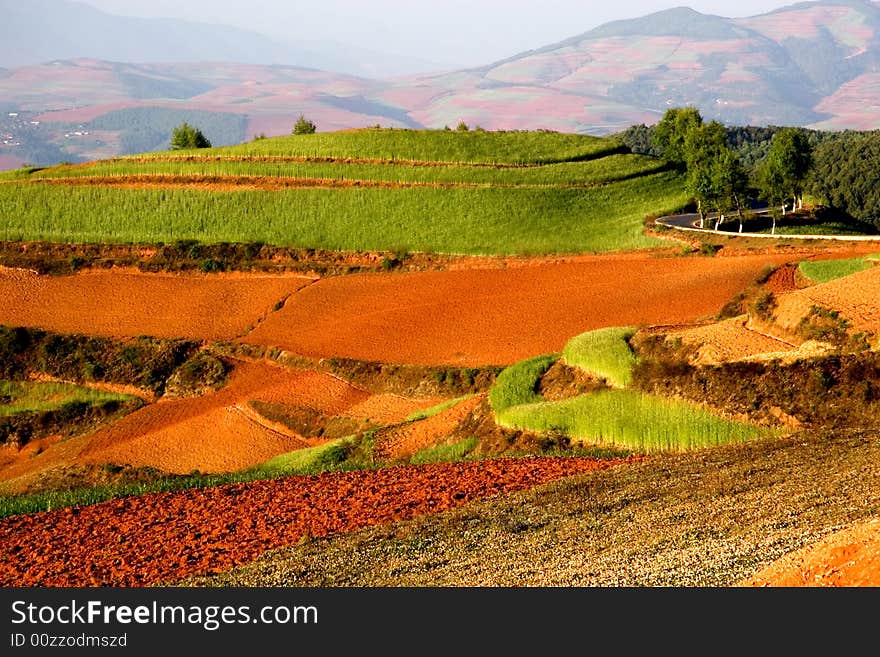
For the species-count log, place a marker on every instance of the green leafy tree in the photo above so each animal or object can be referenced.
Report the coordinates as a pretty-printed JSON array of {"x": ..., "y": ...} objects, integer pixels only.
[
  {"x": 773, "y": 187},
  {"x": 304, "y": 127},
  {"x": 704, "y": 145},
  {"x": 787, "y": 166},
  {"x": 186, "y": 137},
  {"x": 732, "y": 183},
  {"x": 462, "y": 126},
  {"x": 846, "y": 175},
  {"x": 670, "y": 134}
]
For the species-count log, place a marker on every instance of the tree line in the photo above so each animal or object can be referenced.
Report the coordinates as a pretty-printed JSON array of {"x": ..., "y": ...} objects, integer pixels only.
[{"x": 729, "y": 167}]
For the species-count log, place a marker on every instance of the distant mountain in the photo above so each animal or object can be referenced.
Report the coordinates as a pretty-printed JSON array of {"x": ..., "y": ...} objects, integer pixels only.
[
  {"x": 38, "y": 31},
  {"x": 814, "y": 64}
]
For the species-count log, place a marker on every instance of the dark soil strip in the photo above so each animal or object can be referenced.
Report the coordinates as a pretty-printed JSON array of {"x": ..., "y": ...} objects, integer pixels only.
[
  {"x": 709, "y": 518},
  {"x": 154, "y": 538}
]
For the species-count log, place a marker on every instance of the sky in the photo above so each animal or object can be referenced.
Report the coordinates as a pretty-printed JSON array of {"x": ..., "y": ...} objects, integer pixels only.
[{"x": 455, "y": 33}]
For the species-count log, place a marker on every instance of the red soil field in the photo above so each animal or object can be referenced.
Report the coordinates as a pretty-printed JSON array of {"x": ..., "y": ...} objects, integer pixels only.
[
  {"x": 497, "y": 317},
  {"x": 162, "y": 538},
  {"x": 402, "y": 442},
  {"x": 728, "y": 341},
  {"x": 129, "y": 304},
  {"x": 855, "y": 297},
  {"x": 850, "y": 557},
  {"x": 217, "y": 432}
]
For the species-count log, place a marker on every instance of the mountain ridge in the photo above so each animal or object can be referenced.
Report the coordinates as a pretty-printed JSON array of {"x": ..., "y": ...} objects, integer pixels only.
[{"x": 814, "y": 64}]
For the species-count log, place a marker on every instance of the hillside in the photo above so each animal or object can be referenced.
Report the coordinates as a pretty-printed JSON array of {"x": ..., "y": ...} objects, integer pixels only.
[
  {"x": 812, "y": 64},
  {"x": 40, "y": 31},
  {"x": 440, "y": 191}
]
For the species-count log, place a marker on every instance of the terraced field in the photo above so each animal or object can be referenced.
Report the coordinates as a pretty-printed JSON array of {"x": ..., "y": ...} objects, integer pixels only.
[
  {"x": 524, "y": 193},
  {"x": 380, "y": 399}
]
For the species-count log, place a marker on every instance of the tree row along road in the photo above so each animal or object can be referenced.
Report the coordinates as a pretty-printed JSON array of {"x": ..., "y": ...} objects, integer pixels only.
[{"x": 690, "y": 222}]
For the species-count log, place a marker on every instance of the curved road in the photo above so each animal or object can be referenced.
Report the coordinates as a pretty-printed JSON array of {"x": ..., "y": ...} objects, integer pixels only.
[{"x": 691, "y": 223}]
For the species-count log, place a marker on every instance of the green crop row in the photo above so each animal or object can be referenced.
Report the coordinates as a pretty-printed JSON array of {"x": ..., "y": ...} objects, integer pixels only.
[
  {"x": 515, "y": 147},
  {"x": 517, "y": 384},
  {"x": 458, "y": 220},
  {"x": 822, "y": 271},
  {"x": 629, "y": 419},
  {"x": 603, "y": 170},
  {"x": 27, "y": 397},
  {"x": 603, "y": 353}
]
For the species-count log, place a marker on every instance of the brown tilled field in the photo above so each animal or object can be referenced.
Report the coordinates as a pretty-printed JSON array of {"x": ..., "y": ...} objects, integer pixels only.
[
  {"x": 729, "y": 340},
  {"x": 129, "y": 304},
  {"x": 217, "y": 432},
  {"x": 854, "y": 297},
  {"x": 496, "y": 317},
  {"x": 164, "y": 537}
]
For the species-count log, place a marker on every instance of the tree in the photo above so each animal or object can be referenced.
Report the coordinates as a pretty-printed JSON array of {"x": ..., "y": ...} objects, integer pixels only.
[
  {"x": 671, "y": 132},
  {"x": 304, "y": 127},
  {"x": 773, "y": 188},
  {"x": 462, "y": 126},
  {"x": 703, "y": 147},
  {"x": 846, "y": 175},
  {"x": 787, "y": 166},
  {"x": 186, "y": 137},
  {"x": 732, "y": 183}
]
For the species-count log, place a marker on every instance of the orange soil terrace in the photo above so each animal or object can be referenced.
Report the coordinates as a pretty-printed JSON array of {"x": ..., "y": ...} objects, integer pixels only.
[
  {"x": 129, "y": 304},
  {"x": 465, "y": 317},
  {"x": 214, "y": 433},
  {"x": 497, "y": 317},
  {"x": 855, "y": 297},
  {"x": 728, "y": 341},
  {"x": 170, "y": 536},
  {"x": 402, "y": 442}
]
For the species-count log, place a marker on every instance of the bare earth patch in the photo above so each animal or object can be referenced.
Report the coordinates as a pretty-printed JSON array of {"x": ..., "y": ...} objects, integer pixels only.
[
  {"x": 211, "y": 433},
  {"x": 496, "y": 317},
  {"x": 855, "y": 297},
  {"x": 402, "y": 442},
  {"x": 129, "y": 304},
  {"x": 729, "y": 341},
  {"x": 850, "y": 557}
]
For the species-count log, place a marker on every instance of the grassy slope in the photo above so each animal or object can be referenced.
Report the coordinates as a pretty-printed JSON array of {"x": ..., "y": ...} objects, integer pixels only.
[
  {"x": 630, "y": 419},
  {"x": 461, "y": 220},
  {"x": 823, "y": 271},
  {"x": 603, "y": 353},
  {"x": 621, "y": 418},
  {"x": 570, "y": 206},
  {"x": 516, "y": 147},
  {"x": 29, "y": 397},
  {"x": 517, "y": 384},
  {"x": 591, "y": 172}
]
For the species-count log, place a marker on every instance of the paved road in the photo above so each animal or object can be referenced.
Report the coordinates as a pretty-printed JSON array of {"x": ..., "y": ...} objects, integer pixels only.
[{"x": 691, "y": 223}]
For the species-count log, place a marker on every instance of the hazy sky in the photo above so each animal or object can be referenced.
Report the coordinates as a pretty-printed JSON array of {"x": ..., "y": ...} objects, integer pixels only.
[{"x": 448, "y": 32}]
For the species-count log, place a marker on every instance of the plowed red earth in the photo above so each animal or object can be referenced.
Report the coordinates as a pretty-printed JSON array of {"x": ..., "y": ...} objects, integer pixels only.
[
  {"x": 160, "y": 538},
  {"x": 782, "y": 280},
  {"x": 213, "y": 433},
  {"x": 128, "y": 304},
  {"x": 497, "y": 317}
]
